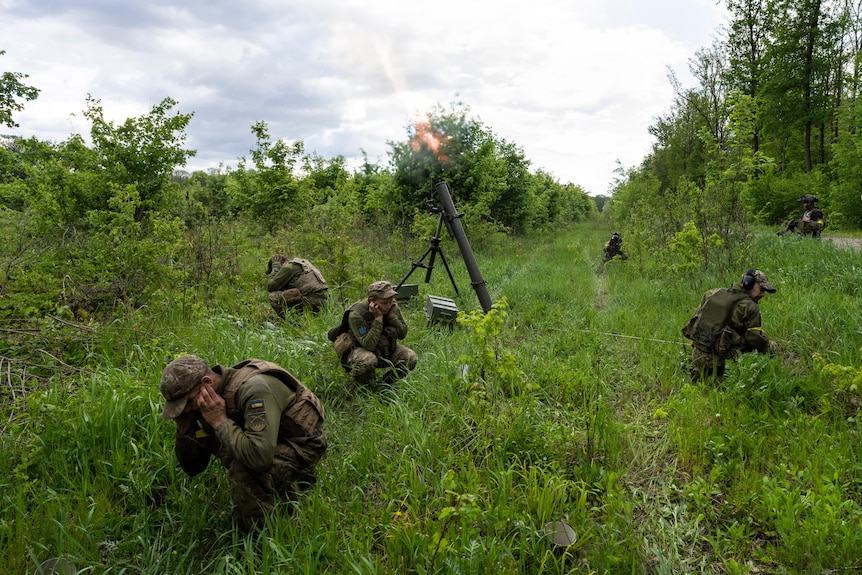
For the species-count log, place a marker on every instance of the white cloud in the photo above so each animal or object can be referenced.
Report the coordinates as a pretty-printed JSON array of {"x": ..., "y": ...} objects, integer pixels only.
[{"x": 575, "y": 84}]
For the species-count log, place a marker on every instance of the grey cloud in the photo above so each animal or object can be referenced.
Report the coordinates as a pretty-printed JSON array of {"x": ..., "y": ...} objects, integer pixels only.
[{"x": 340, "y": 75}]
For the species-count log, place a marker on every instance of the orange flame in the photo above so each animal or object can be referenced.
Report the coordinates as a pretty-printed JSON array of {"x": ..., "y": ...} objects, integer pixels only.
[{"x": 425, "y": 134}]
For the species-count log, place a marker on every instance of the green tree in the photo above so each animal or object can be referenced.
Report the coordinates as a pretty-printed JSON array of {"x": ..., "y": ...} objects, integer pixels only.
[
  {"x": 488, "y": 176},
  {"x": 797, "y": 92},
  {"x": 143, "y": 152},
  {"x": 268, "y": 191},
  {"x": 847, "y": 167},
  {"x": 12, "y": 90},
  {"x": 748, "y": 38}
]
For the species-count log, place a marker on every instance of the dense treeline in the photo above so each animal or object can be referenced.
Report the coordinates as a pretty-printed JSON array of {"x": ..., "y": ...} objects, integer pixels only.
[
  {"x": 90, "y": 226},
  {"x": 774, "y": 115}
]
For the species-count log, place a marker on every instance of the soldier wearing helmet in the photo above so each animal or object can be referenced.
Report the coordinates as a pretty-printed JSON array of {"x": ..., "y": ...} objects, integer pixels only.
[
  {"x": 812, "y": 221},
  {"x": 727, "y": 322},
  {"x": 614, "y": 247}
]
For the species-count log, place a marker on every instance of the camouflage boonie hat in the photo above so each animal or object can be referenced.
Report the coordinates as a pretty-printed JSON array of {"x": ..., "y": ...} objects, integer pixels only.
[
  {"x": 807, "y": 199},
  {"x": 178, "y": 379},
  {"x": 382, "y": 290},
  {"x": 761, "y": 278}
]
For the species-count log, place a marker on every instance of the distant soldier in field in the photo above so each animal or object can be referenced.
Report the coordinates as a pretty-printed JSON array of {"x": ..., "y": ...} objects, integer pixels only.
[
  {"x": 812, "y": 221},
  {"x": 264, "y": 425},
  {"x": 294, "y": 283},
  {"x": 368, "y": 335},
  {"x": 614, "y": 247},
  {"x": 727, "y": 322}
]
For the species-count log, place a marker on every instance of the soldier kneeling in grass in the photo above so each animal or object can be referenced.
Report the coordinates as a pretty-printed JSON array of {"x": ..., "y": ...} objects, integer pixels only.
[
  {"x": 264, "y": 425},
  {"x": 614, "y": 247},
  {"x": 727, "y": 322},
  {"x": 367, "y": 337},
  {"x": 812, "y": 221},
  {"x": 294, "y": 283}
]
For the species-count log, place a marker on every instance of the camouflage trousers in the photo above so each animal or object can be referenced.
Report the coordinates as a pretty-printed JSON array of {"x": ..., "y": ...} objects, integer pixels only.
[
  {"x": 361, "y": 364},
  {"x": 283, "y": 300},
  {"x": 256, "y": 494},
  {"x": 705, "y": 365},
  {"x": 610, "y": 253}
]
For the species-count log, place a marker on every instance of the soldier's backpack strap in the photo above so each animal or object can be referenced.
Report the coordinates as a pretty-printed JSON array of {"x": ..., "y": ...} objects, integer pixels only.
[
  {"x": 334, "y": 332},
  {"x": 308, "y": 267},
  {"x": 344, "y": 326}
]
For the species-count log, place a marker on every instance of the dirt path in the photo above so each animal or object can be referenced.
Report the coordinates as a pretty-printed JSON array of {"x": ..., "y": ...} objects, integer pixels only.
[{"x": 847, "y": 242}]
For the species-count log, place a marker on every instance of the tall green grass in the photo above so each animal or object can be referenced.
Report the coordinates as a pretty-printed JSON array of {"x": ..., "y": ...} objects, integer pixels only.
[{"x": 599, "y": 426}]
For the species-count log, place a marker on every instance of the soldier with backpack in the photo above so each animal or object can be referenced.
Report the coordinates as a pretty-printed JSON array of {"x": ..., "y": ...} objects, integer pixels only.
[
  {"x": 294, "y": 283},
  {"x": 262, "y": 423},
  {"x": 727, "y": 322},
  {"x": 367, "y": 337}
]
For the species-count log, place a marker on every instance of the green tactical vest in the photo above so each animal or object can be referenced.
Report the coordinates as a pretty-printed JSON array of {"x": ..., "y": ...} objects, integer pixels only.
[
  {"x": 310, "y": 280},
  {"x": 298, "y": 422},
  {"x": 705, "y": 328}
]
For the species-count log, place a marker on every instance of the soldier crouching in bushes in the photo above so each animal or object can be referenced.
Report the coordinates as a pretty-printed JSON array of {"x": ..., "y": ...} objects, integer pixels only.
[
  {"x": 294, "y": 283},
  {"x": 264, "y": 425},
  {"x": 812, "y": 221},
  {"x": 367, "y": 337},
  {"x": 614, "y": 247},
  {"x": 726, "y": 322}
]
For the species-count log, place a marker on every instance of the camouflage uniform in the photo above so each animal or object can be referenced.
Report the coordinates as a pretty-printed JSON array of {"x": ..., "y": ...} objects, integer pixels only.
[
  {"x": 613, "y": 247},
  {"x": 812, "y": 221},
  {"x": 374, "y": 344},
  {"x": 271, "y": 441},
  {"x": 726, "y": 322},
  {"x": 295, "y": 283}
]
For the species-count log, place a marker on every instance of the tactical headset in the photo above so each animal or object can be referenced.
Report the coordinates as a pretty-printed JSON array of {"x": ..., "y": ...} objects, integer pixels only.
[{"x": 748, "y": 280}]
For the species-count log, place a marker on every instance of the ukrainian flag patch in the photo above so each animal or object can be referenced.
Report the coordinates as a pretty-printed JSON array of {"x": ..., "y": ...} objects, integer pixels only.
[{"x": 255, "y": 417}]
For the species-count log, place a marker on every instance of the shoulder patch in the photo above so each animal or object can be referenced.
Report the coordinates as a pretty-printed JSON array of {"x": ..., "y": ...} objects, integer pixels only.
[
  {"x": 363, "y": 330},
  {"x": 255, "y": 416}
]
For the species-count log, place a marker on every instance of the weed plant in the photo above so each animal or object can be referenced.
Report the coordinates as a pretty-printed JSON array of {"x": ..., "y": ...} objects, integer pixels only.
[{"x": 571, "y": 401}]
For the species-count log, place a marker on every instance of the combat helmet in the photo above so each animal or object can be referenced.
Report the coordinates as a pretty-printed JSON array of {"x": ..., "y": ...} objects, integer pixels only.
[{"x": 807, "y": 199}]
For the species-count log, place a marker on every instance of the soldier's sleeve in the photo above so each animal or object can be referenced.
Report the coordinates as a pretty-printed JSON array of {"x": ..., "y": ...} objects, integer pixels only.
[
  {"x": 253, "y": 444},
  {"x": 747, "y": 315},
  {"x": 366, "y": 333},
  {"x": 396, "y": 320},
  {"x": 194, "y": 448},
  {"x": 280, "y": 278}
]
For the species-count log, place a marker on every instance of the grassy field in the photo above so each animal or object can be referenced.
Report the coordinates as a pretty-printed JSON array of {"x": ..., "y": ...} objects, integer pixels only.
[{"x": 568, "y": 402}]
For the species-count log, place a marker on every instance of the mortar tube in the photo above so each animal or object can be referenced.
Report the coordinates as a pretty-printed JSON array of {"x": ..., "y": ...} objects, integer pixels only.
[{"x": 457, "y": 230}]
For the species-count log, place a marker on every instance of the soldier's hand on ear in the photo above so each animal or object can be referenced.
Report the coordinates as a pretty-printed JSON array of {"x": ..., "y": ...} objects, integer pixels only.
[
  {"x": 212, "y": 406},
  {"x": 374, "y": 308}
]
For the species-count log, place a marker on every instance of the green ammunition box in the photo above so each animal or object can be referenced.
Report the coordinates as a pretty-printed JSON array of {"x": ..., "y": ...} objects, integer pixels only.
[{"x": 440, "y": 310}]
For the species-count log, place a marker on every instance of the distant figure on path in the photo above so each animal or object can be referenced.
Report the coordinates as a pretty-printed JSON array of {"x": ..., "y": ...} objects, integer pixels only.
[
  {"x": 726, "y": 322},
  {"x": 264, "y": 425},
  {"x": 294, "y": 283},
  {"x": 614, "y": 247},
  {"x": 812, "y": 220}
]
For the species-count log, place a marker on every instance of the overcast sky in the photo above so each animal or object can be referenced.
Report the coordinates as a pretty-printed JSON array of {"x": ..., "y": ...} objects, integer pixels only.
[{"x": 574, "y": 83}]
